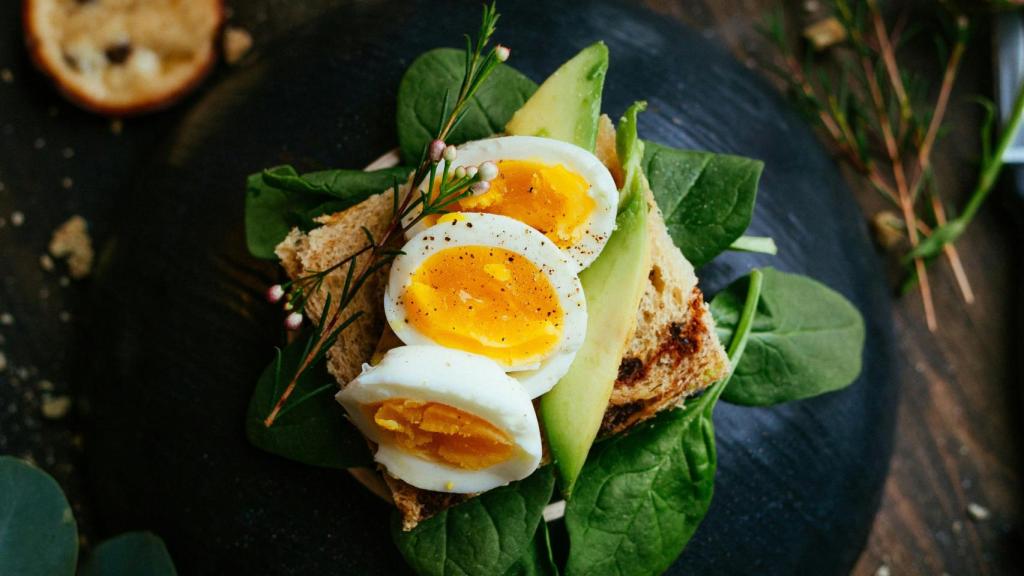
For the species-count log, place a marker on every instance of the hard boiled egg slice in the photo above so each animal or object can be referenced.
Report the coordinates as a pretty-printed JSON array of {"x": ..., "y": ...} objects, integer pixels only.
[
  {"x": 492, "y": 286},
  {"x": 445, "y": 420},
  {"x": 558, "y": 188}
]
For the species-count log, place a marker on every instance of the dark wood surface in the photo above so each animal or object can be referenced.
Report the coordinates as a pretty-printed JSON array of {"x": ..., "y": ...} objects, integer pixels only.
[{"x": 958, "y": 437}]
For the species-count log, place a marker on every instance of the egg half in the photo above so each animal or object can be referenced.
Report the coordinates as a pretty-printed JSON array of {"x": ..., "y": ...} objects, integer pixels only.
[
  {"x": 493, "y": 286},
  {"x": 558, "y": 188},
  {"x": 445, "y": 420}
]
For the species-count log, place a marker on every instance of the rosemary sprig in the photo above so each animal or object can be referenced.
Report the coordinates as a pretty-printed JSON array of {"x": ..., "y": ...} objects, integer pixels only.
[
  {"x": 879, "y": 118},
  {"x": 434, "y": 186}
]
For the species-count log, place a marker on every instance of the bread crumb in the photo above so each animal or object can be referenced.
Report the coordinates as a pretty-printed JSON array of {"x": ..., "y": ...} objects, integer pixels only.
[
  {"x": 68, "y": 153},
  {"x": 64, "y": 316},
  {"x": 237, "y": 43},
  {"x": 64, "y": 281},
  {"x": 71, "y": 240},
  {"x": 116, "y": 126},
  {"x": 17, "y": 219},
  {"x": 39, "y": 144},
  {"x": 7, "y": 76},
  {"x": 977, "y": 512},
  {"x": 6, "y": 319},
  {"x": 883, "y": 570},
  {"x": 825, "y": 33},
  {"x": 46, "y": 263},
  {"x": 46, "y": 385},
  {"x": 66, "y": 183},
  {"x": 3, "y": 362},
  {"x": 55, "y": 407}
]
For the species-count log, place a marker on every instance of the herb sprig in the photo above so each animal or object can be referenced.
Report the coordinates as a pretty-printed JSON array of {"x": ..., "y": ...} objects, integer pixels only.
[
  {"x": 881, "y": 120},
  {"x": 434, "y": 186}
]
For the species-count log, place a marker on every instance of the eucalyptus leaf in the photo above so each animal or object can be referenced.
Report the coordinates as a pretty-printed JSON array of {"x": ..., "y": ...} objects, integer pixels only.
[
  {"x": 130, "y": 554},
  {"x": 538, "y": 559},
  {"x": 484, "y": 536},
  {"x": 806, "y": 340},
  {"x": 279, "y": 198},
  {"x": 642, "y": 494},
  {"x": 421, "y": 96},
  {"x": 707, "y": 199},
  {"x": 311, "y": 429},
  {"x": 38, "y": 533}
]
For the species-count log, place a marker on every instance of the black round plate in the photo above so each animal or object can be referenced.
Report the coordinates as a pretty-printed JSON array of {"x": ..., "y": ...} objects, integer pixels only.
[{"x": 185, "y": 333}]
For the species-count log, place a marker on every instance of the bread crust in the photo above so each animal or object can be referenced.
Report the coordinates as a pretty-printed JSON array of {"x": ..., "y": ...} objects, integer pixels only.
[{"x": 46, "y": 57}]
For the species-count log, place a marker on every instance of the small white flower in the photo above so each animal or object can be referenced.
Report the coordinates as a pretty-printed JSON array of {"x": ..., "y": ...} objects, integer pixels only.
[
  {"x": 488, "y": 171},
  {"x": 480, "y": 187},
  {"x": 502, "y": 52},
  {"x": 436, "y": 150},
  {"x": 460, "y": 172},
  {"x": 293, "y": 321},
  {"x": 275, "y": 293},
  {"x": 450, "y": 153},
  {"x": 471, "y": 171}
]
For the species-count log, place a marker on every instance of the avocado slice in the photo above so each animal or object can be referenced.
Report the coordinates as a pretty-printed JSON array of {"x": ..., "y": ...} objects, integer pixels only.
[
  {"x": 614, "y": 284},
  {"x": 567, "y": 105}
]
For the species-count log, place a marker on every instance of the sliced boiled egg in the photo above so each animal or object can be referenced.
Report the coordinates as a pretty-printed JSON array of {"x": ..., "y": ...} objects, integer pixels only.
[
  {"x": 493, "y": 286},
  {"x": 445, "y": 420},
  {"x": 558, "y": 188}
]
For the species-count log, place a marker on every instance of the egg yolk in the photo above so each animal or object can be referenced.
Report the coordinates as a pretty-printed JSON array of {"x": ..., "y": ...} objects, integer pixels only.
[
  {"x": 485, "y": 300},
  {"x": 441, "y": 433},
  {"x": 550, "y": 198}
]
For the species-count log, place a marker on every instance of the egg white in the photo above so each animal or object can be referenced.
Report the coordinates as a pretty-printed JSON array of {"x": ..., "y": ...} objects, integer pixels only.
[
  {"x": 541, "y": 373},
  {"x": 469, "y": 382},
  {"x": 601, "y": 222}
]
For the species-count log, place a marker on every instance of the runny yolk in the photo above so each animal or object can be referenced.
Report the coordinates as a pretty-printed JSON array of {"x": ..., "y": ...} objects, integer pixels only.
[
  {"x": 548, "y": 197},
  {"x": 441, "y": 433},
  {"x": 485, "y": 300}
]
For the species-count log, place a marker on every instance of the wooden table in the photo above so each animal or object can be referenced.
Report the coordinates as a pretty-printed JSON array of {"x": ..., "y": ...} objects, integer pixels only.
[
  {"x": 958, "y": 432},
  {"x": 958, "y": 426}
]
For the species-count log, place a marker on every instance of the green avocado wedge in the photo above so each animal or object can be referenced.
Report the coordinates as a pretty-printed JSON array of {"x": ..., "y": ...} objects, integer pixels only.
[
  {"x": 614, "y": 284},
  {"x": 567, "y": 105}
]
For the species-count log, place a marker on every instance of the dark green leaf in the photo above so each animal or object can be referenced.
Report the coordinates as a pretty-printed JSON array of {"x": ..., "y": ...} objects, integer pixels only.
[
  {"x": 314, "y": 431},
  {"x": 483, "y": 536},
  {"x": 279, "y": 198},
  {"x": 642, "y": 495},
  {"x": 538, "y": 560},
  {"x": 130, "y": 554},
  {"x": 707, "y": 199},
  {"x": 806, "y": 340},
  {"x": 421, "y": 96},
  {"x": 38, "y": 534}
]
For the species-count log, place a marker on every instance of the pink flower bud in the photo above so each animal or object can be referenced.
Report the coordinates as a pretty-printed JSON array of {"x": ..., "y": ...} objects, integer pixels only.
[
  {"x": 488, "y": 171},
  {"x": 293, "y": 321},
  {"x": 275, "y": 293},
  {"x": 480, "y": 187},
  {"x": 502, "y": 52},
  {"x": 436, "y": 150}
]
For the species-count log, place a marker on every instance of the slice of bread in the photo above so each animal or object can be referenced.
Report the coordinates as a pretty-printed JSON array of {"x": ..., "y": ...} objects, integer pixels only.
[
  {"x": 674, "y": 351},
  {"x": 123, "y": 57}
]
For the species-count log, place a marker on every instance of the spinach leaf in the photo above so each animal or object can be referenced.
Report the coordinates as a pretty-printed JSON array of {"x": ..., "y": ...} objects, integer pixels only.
[
  {"x": 642, "y": 494},
  {"x": 135, "y": 553},
  {"x": 482, "y": 536},
  {"x": 312, "y": 427},
  {"x": 38, "y": 533},
  {"x": 279, "y": 198},
  {"x": 707, "y": 199},
  {"x": 421, "y": 95},
  {"x": 806, "y": 340},
  {"x": 538, "y": 559}
]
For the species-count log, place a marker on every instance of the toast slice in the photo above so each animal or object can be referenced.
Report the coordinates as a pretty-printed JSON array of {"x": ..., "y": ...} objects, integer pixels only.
[
  {"x": 121, "y": 57},
  {"x": 674, "y": 352}
]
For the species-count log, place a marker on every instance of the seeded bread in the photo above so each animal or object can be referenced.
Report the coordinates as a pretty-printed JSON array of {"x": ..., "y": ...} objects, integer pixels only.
[
  {"x": 123, "y": 57},
  {"x": 674, "y": 352}
]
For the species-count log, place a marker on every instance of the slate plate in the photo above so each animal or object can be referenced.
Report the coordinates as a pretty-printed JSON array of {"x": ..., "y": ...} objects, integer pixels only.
[{"x": 185, "y": 332}]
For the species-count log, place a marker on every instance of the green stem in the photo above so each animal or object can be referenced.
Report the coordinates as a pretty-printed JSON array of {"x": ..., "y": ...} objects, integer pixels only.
[
  {"x": 739, "y": 338},
  {"x": 990, "y": 171},
  {"x": 755, "y": 244}
]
